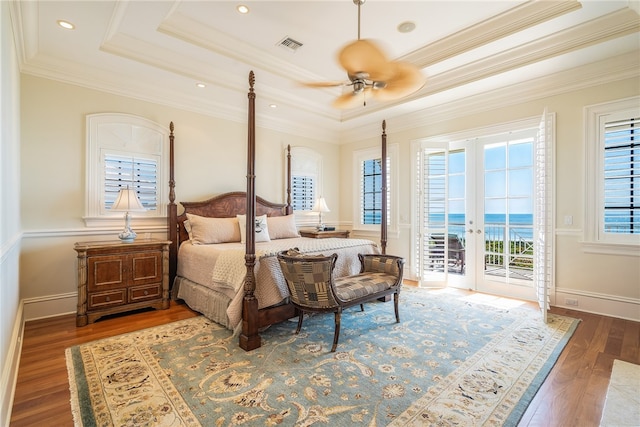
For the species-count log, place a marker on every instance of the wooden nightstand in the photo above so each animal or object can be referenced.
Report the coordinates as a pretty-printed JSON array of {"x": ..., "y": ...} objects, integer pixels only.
[
  {"x": 313, "y": 233},
  {"x": 114, "y": 277}
]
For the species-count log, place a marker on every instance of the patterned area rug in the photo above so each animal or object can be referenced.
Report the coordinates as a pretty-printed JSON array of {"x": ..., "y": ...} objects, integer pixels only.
[{"x": 450, "y": 362}]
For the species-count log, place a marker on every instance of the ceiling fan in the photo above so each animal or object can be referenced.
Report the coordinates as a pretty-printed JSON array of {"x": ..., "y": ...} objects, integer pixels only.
[{"x": 370, "y": 72}]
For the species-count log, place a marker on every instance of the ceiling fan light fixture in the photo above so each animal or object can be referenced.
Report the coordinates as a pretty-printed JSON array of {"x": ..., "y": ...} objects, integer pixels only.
[{"x": 358, "y": 86}]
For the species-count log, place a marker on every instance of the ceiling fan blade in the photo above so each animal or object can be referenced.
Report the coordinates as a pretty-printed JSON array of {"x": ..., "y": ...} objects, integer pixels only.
[
  {"x": 364, "y": 56},
  {"x": 406, "y": 80},
  {"x": 349, "y": 100},
  {"x": 324, "y": 84}
]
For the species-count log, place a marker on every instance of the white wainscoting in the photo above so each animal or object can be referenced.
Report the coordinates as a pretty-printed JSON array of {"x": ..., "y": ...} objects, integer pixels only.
[
  {"x": 50, "y": 306},
  {"x": 596, "y": 303},
  {"x": 10, "y": 368}
]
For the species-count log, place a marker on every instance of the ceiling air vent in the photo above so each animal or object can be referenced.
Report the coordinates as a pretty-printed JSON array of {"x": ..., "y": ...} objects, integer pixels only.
[{"x": 290, "y": 44}]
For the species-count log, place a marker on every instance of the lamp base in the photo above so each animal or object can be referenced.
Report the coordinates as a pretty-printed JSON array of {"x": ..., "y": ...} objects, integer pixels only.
[{"x": 127, "y": 236}]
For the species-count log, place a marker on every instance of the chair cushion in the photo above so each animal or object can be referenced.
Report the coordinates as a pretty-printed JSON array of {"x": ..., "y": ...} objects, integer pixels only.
[{"x": 361, "y": 285}]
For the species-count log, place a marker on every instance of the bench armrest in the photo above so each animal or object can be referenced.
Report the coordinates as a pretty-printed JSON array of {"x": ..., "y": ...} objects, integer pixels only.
[{"x": 378, "y": 263}]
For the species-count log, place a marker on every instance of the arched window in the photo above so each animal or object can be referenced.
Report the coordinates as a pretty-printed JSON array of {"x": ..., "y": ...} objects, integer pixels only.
[{"x": 125, "y": 151}]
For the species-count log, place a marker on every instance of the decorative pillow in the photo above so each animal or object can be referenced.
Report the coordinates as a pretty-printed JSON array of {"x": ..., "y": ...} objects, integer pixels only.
[
  {"x": 187, "y": 228},
  {"x": 213, "y": 230},
  {"x": 261, "y": 229},
  {"x": 282, "y": 227}
]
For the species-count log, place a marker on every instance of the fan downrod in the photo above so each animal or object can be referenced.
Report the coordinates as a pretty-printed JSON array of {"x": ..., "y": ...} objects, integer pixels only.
[{"x": 359, "y": 3}]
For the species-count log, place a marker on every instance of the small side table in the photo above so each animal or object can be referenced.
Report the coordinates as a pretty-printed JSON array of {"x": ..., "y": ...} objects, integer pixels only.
[
  {"x": 114, "y": 277},
  {"x": 315, "y": 234}
]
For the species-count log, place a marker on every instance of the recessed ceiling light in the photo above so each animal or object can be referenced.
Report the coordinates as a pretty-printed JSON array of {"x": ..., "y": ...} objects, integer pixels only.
[
  {"x": 273, "y": 106},
  {"x": 406, "y": 27},
  {"x": 66, "y": 25},
  {"x": 242, "y": 9},
  {"x": 201, "y": 85}
]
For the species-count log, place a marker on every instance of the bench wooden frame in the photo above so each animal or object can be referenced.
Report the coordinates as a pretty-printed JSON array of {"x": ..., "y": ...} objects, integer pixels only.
[{"x": 313, "y": 289}]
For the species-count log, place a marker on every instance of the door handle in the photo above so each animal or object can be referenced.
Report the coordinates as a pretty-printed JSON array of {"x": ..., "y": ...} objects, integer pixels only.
[{"x": 470, "y": 231}]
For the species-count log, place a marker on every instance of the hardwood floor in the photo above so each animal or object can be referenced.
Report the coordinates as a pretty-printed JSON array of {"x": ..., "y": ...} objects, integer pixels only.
[{"x": 572, "y": 395}]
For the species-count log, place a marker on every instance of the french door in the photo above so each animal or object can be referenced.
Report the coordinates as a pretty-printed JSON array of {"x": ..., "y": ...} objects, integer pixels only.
[{"x": 476, "y": 212}]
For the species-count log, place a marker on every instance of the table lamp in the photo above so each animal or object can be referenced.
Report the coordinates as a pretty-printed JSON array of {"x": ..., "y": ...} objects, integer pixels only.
[
  {"x": 127, "y": 201},
  {"x": 320, "y": 207}
]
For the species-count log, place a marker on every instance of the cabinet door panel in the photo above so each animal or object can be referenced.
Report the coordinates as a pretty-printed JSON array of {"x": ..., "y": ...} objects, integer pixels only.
[
  {"x": 146, "y": 268},
  {"x": 105, "y": 272}
]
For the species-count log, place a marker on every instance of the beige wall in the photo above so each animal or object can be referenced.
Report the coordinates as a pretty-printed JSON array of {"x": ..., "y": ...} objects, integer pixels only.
[
  {"x": 593, "y": 278},
  {"x": 10, "y": 233},
  {"x": 210, "y": 157}
]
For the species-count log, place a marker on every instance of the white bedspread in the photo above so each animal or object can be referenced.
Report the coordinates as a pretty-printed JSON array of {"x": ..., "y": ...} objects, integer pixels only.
[{"x": 222, "y": 266}]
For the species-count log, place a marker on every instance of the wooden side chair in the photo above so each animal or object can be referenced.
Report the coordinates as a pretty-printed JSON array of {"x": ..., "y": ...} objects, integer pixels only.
[{"x": 313, "y": 289}]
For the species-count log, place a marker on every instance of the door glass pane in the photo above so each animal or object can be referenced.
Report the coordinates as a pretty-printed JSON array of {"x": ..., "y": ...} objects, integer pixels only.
[{"x": 508, "y": 202}]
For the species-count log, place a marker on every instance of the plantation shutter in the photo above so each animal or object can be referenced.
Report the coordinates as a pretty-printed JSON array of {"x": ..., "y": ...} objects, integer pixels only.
[
  {"x": 432, "y": 212},
  {"x": 621, "y": 176},
  {"x": 543, "y": 233},
  {"x": 371, "y": 195},
  {"x": 371, "y": 191},
  {"x": 303, "y": 192},
  {"x": 139, "y": 174}
]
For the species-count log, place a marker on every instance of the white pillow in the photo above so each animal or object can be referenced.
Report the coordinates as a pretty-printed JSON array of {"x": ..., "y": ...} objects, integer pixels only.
[
  {"x": 282, "y": 227},
  {"x": 213, "y": 230},
  {"x": 261, "y": 228}
]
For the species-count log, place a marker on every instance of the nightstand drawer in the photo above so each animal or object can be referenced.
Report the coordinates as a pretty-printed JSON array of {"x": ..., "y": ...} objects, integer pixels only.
[
  {"x": 106, "y": 299},
  {"x": 141, "y": 293}
]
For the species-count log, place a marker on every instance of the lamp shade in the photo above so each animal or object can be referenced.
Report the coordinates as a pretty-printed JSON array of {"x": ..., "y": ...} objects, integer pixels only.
[
  {"x": 127, "y": 201},
  {"x": 321, "y": 205}
]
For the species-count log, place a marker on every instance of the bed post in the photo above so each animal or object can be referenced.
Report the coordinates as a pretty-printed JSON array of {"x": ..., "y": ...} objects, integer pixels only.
[
  {"x": 249, "y": 338},
  {"x": 173, "y": 214},
  {"x": 383, "y": 220},
  {"x": 289, "y": 208}
]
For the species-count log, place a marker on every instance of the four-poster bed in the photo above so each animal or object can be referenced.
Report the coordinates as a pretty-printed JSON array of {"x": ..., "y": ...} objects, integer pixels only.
[{"x": 205, "y": 256}]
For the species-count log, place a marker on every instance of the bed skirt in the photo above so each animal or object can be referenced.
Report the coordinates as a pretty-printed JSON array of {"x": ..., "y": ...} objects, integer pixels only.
[{"x": 212, "y": 304}]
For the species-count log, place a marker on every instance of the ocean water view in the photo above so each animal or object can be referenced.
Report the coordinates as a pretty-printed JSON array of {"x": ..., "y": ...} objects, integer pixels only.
[{"x": 520, "y": 225}]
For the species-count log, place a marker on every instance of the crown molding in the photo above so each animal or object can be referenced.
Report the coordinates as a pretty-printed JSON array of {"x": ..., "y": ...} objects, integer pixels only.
[{"x": 510, "y": 22}]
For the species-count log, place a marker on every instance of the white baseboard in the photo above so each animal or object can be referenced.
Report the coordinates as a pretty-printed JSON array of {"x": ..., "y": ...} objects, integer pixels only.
[
  {"x": 50, "y": 306},
  {"x": 603, "y": 304},
  {"x": 10, "y": 368}
]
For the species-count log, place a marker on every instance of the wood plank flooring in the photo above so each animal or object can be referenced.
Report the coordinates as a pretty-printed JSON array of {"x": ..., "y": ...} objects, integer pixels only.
[{"x": 572, "y": 395}]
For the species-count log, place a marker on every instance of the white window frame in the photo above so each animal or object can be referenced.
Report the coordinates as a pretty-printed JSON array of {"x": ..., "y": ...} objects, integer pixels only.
[
  {"x": 307, "y": 162},
  {"x": 361, "y": 156},
  {"x": 595, "y": 240},
  {"x": 129, "y": 136}
]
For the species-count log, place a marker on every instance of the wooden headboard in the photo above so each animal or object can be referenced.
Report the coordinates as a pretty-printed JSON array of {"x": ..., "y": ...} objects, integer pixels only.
[{"x": 227, "y": 205}]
